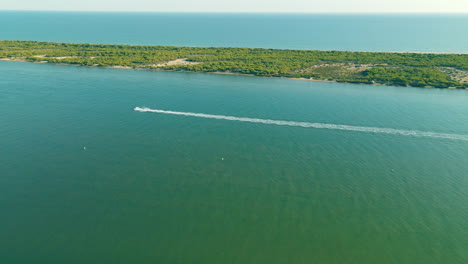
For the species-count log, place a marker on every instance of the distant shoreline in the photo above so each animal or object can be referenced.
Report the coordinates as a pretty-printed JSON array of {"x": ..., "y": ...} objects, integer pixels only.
[
  {"x": 162, "y": 70},
  {"x": 217, "y": 73}
]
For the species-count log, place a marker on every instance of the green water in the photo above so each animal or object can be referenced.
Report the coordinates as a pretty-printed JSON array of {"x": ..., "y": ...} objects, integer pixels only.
[{"x": 156, "y": 188}]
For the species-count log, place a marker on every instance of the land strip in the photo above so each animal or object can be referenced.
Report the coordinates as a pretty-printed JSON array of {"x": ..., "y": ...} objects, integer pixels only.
[{"x": 441, "y": 70}]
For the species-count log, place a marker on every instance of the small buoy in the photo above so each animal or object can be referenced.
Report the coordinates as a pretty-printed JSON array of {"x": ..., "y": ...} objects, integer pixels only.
[
  {"x": 222, "y": 158},
  {"x": 84, "y": 147}
]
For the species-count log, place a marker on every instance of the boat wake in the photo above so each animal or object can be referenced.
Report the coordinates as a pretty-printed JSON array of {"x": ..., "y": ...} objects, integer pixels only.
[{"x": 392, "y": 131}]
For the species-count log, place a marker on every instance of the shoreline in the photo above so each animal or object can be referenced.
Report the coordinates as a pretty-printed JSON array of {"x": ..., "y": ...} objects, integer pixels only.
[{"x": 120, "y": 67}]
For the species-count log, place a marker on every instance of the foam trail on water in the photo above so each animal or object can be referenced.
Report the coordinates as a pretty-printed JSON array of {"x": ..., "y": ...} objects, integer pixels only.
[{"x": 402, "y": 132}]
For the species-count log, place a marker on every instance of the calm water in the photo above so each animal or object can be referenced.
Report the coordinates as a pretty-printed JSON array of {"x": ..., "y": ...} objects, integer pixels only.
[
  {"x": 157, "y": 188},
  {"x": 85, "y": 179},
  {"x": 440, "y": 33}
]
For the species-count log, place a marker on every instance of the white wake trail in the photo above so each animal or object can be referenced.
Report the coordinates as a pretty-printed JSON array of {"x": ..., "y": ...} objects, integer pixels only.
[{"x": 402, "y": 132}]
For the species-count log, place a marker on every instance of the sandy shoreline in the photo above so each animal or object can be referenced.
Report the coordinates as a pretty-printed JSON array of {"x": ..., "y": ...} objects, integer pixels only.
[{"x": 162, "y": 69}]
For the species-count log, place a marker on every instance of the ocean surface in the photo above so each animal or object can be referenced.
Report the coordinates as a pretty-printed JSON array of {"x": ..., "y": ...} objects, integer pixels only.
[
  {"x": 378, "y": 32},
  {"x": 125, "y": 166}
]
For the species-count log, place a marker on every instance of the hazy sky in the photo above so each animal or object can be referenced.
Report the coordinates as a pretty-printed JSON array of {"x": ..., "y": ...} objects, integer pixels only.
[{"x": 458, "y": 6}]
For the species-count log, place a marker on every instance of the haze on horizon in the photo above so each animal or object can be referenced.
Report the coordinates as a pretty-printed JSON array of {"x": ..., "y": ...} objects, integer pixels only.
[{"x": 302, "y": 6}]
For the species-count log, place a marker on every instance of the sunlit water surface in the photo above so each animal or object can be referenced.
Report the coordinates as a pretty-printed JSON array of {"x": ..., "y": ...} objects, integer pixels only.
[{"x": 86, "y": 179}]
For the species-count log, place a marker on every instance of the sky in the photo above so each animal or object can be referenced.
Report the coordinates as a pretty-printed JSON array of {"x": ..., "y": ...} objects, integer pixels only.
[{"x": 303, "y": 6}]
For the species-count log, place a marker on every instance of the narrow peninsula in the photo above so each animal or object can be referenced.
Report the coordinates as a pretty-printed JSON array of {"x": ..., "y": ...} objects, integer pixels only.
[{"x": 388, "y": 68}]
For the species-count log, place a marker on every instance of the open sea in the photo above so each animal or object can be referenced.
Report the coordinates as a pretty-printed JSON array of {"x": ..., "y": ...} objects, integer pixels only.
[{"x": 214, "y": 169}]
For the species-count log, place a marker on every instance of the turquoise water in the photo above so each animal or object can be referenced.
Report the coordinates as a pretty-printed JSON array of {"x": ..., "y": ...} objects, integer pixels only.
[
  {"x": 86, "y": 179},
  {"x": 378, "y": 32}
]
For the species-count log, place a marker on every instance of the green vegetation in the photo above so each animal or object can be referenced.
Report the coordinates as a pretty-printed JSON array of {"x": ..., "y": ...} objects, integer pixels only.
[{"x": 400, "y": 69}]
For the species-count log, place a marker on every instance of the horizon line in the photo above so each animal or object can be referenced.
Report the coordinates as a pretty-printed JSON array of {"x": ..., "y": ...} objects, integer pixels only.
[{"x": 238, "y": 12}]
